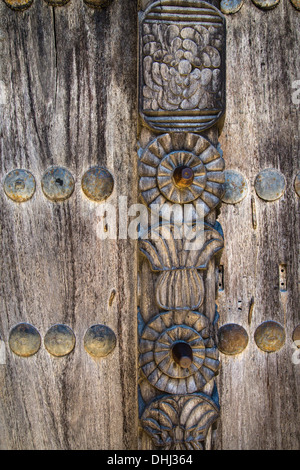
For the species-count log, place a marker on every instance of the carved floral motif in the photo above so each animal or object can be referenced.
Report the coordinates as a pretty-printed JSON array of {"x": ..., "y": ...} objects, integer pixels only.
[
  {"x": 182, "y": 62},
  {"x": 180, "y": 422},
  {"x": 181, "y": 67},
  {"x": 157, "y": 360},
  {"x": 168, "y": 152}
]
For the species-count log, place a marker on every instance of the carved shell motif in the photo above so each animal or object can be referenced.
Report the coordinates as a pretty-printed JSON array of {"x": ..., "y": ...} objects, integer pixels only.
[
  {"x": 180, "y": 286},
  {"x": 159, "y": 364},
  {"x": 167, "y": 155},
  {"x": 180, "y": 422}
]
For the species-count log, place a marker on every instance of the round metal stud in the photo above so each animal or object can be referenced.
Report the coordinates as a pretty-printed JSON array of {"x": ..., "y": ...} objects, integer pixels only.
[
  {"x": 236, "y": 187},
  {"x": 97, "y": 184},
  {"x": 231, "y": 6},
  {"x": 18, "y": 5},
  {"x": 59, "y": 340},
  {"x": 232, "y": 339},
  {"x": 97, "y": 3},
  {"x": 24, "y": 340},
  {"x": 183, "y": 176},
  {"x": 269, "y": 336},
  {"x": 297, "y": 184},
  {"x": 296, "y": 335},
  {"x": 58, "y": 184},
  {"x": 296, "y": 4},
  {"x": 99, "y": 341},
  {"x": 57, "y": 3},
  {"x": 266, "y": 4},
  {"x": 270, "y": 184},
  {"x": 19, "y": 185}
]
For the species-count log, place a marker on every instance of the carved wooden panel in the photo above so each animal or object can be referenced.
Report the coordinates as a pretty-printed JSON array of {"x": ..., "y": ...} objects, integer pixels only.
[
  {"x": 182, "y": 62},
  {"x": 181, "y": 176}
]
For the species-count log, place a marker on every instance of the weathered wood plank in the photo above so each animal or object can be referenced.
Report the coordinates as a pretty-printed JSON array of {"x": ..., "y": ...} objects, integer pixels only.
[
  {"x": 69, "y": 76},
  {"x": 260, "y": 391}
]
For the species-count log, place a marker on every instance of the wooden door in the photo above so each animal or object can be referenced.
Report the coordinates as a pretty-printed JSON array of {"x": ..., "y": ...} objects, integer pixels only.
[
  {"x": 78, "y": 310},
  {"x": 68, "y": 99}
]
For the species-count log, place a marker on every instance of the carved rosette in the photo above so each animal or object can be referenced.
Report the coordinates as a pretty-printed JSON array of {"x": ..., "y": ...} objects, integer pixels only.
[
  {"x": 180, "y": 422},
  {"x": 182, "y": 65},
  {"x": 181, "y": 173},
  {"x": 158, "y": 359},
  {"x": 169, "y": 154}
]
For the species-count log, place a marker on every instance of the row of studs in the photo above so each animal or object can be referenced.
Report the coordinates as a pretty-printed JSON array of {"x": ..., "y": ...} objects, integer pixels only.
[
  {"x": 25, "y": 340},
  {"x": 269, "y": 185},
  {"x": 20, "y": 5},
  {"x": 58, "y": 184},
  {"x": 269, "y": 336},
  {"x": 233, "y": 6}
]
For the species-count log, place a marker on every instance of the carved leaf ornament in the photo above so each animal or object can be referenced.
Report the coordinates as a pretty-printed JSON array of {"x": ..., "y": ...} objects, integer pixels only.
[
  {"x": 180, "y": 285},
  {"x": 180, "y": 422}
]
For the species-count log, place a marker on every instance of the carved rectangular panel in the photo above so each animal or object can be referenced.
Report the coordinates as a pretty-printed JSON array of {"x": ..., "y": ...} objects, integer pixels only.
[{"x": 182, "y": 65}]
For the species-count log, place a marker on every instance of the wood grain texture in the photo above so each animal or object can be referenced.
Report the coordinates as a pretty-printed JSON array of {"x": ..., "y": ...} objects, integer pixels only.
[
  {"x": 68, "y": 97},
  {"x": 259, "y": 391}
]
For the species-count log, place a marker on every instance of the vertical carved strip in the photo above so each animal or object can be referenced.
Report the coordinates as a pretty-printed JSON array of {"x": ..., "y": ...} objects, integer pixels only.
[{"x": 181, "y": 171}]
